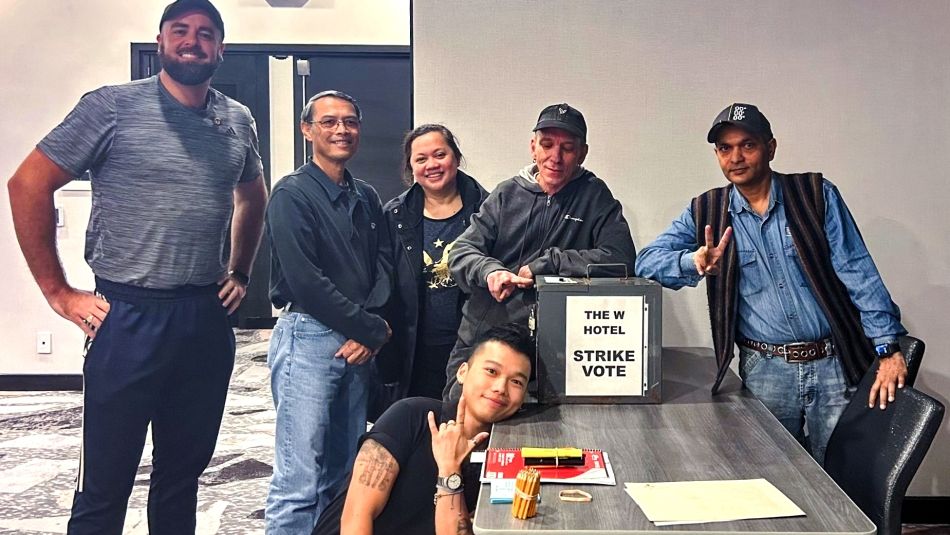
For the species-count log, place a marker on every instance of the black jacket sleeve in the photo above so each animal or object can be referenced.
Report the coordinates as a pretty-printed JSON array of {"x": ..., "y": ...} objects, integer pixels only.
[{"x": 470, "y": 262}]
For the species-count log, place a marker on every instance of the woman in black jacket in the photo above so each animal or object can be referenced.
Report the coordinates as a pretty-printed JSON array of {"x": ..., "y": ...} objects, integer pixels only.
[{"x": 424, "y": 221}]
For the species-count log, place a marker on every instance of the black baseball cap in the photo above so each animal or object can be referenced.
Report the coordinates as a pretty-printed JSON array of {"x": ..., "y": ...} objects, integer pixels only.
[
  {"x": 565, "y": 117},
  {"x": 746, "y": 117},
  {"x": 178, "y": 7}
]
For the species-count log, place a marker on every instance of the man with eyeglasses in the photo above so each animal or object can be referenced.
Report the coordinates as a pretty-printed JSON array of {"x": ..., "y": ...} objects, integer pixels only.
[{"x": 330, "y": 275}]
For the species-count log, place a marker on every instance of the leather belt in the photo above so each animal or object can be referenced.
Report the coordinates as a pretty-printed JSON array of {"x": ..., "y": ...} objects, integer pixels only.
[
  {"x": 293, "y": 307},
  {"x": 796, "y": 352}
]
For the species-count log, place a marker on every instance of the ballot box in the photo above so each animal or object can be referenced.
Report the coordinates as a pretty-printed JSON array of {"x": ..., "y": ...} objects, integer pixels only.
[{"x": 598, "y": 339}]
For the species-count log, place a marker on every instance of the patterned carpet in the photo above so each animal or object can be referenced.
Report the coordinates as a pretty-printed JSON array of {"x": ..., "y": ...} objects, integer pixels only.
[{"x": 39, "y": 452}]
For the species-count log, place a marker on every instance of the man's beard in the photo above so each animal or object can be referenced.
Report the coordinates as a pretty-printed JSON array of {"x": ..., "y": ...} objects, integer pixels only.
[{"x": 188, "y": 73}]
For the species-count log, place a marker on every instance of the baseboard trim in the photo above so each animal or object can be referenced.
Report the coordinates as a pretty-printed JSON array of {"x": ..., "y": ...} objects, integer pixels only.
[
  {"x": 926, "y": 510},
  {"x": 15, "y": 382}
]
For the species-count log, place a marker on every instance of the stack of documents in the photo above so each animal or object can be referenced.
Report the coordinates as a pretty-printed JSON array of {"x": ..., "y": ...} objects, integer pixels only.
[{"x": 697, "y": 502}]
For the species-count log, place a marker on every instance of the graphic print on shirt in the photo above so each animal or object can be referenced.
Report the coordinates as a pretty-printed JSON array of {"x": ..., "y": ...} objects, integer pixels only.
[{"x": 435, "y": 265}]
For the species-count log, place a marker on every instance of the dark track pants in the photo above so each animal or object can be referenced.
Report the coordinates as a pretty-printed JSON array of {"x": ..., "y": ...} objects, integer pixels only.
[{"x": 162, "y": 357}]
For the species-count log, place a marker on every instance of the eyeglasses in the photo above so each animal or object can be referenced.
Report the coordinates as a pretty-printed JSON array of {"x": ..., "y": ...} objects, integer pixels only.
[{"x": 330, "y": 123}]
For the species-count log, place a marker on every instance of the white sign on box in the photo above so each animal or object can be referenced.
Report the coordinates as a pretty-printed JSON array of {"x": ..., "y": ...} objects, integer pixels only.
[{"x": 606, "y": 343}]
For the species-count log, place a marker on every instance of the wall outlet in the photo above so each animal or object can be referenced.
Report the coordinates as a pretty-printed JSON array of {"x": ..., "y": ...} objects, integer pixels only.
[{"x": 44, "y": 342}]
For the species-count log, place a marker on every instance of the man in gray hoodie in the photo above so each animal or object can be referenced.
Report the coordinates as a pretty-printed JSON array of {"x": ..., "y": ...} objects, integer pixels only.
[{"x": 553, "y": 218}]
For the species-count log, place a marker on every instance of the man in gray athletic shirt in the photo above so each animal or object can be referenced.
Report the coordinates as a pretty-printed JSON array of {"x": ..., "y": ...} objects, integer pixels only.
[{"x": 172, "y": 163}]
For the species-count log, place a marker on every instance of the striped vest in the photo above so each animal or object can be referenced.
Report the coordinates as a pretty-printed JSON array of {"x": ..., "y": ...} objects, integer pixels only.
[{"x": 805, "y": 210}]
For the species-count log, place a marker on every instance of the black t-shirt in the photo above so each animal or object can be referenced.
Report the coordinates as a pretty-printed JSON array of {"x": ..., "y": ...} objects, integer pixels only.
[
  {"x": 404, "y": 431},
  {"x": 440, "y": 314}
]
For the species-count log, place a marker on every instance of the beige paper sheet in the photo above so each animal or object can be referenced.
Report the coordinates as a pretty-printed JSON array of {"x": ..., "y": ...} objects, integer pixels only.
[{"x": 693, "y": 502}]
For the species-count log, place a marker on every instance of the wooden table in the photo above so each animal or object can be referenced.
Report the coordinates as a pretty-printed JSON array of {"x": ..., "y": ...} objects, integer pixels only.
[{"x": 692, "y": 435}]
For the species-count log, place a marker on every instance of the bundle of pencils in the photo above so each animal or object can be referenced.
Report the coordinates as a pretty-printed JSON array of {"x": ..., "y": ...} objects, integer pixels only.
[{"x": 527, "y": 490}]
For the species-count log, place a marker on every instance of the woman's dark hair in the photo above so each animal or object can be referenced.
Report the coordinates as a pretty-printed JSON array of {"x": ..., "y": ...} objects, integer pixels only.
[{"x": 420, "y": 131}]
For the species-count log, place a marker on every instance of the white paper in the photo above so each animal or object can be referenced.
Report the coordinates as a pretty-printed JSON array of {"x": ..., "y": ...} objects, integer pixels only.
[
  {"x": 605, "y": 344},
  {"x": 694, "y": 502}
]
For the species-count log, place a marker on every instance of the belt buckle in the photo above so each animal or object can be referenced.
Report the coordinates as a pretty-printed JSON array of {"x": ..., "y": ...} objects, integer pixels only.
[
  {"x": 783, "y": 350},
  {"x": 802, "y": 356},
  {"x": 788, "y": 358}
]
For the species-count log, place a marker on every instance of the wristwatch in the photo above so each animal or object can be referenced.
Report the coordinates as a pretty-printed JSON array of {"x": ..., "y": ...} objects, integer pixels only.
[
  {"x": 239, "y": 276},
  {"x": 886, "y": 350},
  {"x": 450, "y": 483}
]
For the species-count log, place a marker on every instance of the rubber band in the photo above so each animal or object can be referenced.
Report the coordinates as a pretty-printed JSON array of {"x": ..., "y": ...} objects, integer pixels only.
[
  {"x": 522, "y": 494},
  {"x": 574, "y": 495}
]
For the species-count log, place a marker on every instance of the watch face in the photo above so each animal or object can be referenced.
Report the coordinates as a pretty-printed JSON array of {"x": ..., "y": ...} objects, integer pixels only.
[{"x": 454, "y": 481}]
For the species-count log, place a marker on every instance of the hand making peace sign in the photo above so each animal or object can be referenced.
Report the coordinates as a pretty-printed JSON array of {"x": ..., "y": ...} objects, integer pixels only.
[{"x": 707, "y": 257}]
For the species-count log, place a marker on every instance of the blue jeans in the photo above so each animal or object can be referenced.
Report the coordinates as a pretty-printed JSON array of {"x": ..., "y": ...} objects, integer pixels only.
[
  {"x": 321, "y": 413},
  {"x": 808, "y": 395}
]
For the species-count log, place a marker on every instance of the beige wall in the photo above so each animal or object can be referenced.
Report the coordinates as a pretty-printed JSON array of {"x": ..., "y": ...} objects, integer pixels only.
[
  {"x": 56, "y": 50},
  {"x": 857, "y": 89}
]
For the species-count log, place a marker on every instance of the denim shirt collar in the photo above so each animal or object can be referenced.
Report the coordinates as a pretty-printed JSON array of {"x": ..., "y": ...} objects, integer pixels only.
[{"x": 738, "y": 203}]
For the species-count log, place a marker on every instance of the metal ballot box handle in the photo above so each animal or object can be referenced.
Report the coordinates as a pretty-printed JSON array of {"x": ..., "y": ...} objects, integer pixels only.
[{"x": 626, "y": 275}]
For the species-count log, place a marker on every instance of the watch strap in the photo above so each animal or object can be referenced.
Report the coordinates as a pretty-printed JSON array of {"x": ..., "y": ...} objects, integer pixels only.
[
  {"x": 887, "y": 349},
  {"x": 240, "y": 276}
]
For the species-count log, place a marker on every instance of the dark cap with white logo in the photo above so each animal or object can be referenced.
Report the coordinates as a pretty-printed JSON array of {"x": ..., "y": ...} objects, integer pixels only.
[
  {"x": 565, "y": 117},
  {"x": 178, "y": 7},
  {"x": 746, "y": 117}
]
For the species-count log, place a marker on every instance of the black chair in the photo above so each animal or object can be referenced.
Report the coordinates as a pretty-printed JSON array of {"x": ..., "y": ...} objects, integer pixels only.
[
  {"x": 874, "y": 454},
  {"x": 913, "y": 350}
]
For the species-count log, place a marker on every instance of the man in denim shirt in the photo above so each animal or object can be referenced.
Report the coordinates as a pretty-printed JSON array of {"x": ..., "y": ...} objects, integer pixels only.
[{"x": 802, "y": 299}]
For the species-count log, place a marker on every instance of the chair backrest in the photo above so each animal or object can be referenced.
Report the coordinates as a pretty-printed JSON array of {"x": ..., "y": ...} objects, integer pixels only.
[
  {"x": 874, "y": 454},
  {"x": 913, "y": 350}
]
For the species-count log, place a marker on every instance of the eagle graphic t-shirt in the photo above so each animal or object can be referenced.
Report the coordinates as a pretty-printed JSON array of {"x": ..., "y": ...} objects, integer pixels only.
[{"x": 441, "y": 314}]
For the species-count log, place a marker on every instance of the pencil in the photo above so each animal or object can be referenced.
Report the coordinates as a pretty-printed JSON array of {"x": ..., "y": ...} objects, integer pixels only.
[{"x": 527, "y": 489}]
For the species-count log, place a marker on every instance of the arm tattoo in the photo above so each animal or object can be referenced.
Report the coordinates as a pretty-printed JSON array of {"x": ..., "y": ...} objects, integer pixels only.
[{"x": 376, "y": 466}]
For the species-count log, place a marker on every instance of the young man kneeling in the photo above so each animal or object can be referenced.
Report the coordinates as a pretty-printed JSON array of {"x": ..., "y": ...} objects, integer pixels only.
[{"x": 420, "y": 446}]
